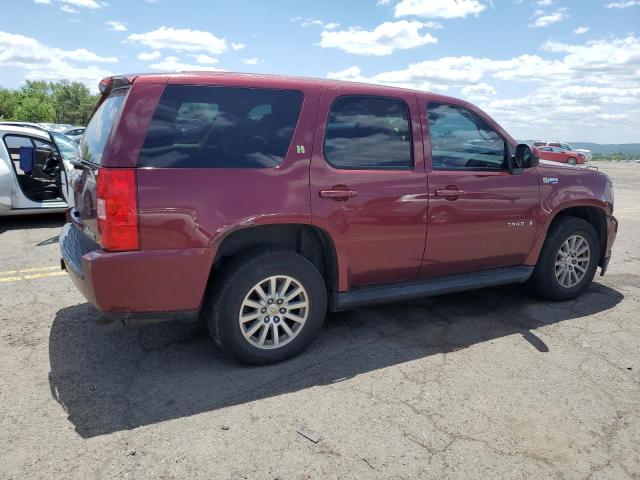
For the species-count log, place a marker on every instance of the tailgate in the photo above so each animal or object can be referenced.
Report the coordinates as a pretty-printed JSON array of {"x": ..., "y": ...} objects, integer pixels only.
[{"x": 92, "y": 147}]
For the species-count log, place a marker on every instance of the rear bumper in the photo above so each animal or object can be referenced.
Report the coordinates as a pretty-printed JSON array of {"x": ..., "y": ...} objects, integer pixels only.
[{"x": 140, "y": 285}]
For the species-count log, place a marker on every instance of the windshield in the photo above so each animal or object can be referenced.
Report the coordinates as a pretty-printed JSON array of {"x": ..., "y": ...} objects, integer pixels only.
[
  {"x": 67, "y": 147},
  {"x": 97, "y": 132}
]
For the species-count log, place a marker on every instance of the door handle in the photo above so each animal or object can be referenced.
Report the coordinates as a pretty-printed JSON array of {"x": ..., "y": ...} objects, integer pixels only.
[
  {"x": 338, "y": 193},
  {"x": 450, "y": 192}
]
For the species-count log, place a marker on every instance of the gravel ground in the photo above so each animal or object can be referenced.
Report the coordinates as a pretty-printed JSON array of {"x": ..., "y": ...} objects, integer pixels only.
[{"x": 486, "y": 384}]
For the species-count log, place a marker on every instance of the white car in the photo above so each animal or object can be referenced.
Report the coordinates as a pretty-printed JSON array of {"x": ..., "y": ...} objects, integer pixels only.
[
  {"x": 35, "y": 169},
  {"x": 74, "y": 132}
]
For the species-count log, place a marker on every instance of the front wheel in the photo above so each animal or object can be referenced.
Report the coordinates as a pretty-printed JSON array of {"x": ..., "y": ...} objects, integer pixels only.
[
  {"x": 267, "y": 307},
  {"x": 571, "y": 161},
  {"x": 568, "y": 260}
]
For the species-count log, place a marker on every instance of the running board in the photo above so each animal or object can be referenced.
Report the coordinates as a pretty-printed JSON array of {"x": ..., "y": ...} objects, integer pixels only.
[{"x": 396, "y": 292}]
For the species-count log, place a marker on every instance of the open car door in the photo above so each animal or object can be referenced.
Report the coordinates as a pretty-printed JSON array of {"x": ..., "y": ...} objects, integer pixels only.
[{"x": 68, "y": 152}]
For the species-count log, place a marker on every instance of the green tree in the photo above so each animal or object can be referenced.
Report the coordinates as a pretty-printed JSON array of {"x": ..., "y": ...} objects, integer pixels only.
[
  {"x": 73, "y": 102},
  {"x": 35, "y": 103},
  {"x": 51, "y": 102},
  {"x": 8, "y": 103}
]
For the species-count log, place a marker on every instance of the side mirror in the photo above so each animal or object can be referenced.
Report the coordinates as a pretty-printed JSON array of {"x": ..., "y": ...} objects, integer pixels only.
[{"x": 526, "y": 157}]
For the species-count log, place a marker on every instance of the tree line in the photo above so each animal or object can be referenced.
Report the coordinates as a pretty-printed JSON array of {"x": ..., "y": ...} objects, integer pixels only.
[{"x": 49, "y": 102}]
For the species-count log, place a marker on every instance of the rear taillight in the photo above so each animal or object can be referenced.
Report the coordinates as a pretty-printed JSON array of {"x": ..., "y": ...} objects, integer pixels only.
[{"x": 118, "y": 209}]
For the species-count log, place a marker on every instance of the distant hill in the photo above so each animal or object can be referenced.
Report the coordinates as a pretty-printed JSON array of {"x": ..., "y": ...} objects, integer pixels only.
[
  {"x": 609, "y": 148},
  {"x": 625, "y": 149}
]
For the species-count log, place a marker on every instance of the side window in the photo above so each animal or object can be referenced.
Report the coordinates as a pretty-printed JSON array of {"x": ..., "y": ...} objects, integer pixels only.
[
  {"x": 368, "y": 133},
  {"x": 553, "y": 144},
  {"x": 564, "y": 146},
  {"x": 221, "y": 127},
  {"x": 14, "y": 142},
  {"x": 460, "y": 140},
  {"x": 43, "y": 144}
]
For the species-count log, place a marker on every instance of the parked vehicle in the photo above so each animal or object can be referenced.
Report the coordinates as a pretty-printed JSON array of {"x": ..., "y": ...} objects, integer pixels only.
[
  {"x": 74, "y": 133},
  {"x": 257, "y": 202},
  {"x": 35, "y": 165},
  {"x": 570, "y": 155}
]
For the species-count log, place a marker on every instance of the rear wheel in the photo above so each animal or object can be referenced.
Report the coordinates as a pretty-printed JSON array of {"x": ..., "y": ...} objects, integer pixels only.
[
  {"x": 571, "y": 161},
  {"x": 568, "y": 260},
  {"x": 267, "y": 307}
]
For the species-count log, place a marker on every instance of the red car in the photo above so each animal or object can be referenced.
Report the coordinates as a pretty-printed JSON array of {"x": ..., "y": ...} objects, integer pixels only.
[
  {"x": 557, "y": 153},
  {"x": 257, "y": 202}
]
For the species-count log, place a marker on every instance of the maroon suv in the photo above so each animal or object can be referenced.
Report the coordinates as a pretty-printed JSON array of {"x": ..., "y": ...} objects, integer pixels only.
[{"x": 257, "y": 202}]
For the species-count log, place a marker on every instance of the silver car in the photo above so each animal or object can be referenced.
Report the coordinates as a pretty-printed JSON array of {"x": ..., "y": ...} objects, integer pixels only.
[{"x": 35, "y": 169}]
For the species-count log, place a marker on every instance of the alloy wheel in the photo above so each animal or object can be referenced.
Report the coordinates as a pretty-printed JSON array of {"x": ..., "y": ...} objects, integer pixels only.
[
  {"x": 274, "y": 312},
  {"x": 572, "y": 261}
]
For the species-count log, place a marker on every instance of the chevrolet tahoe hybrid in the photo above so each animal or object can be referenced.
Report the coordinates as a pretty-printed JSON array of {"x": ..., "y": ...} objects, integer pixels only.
[{"x": 258, "y": 202}]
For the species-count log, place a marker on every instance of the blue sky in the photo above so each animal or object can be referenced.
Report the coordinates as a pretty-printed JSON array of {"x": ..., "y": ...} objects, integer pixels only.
[{"x": 545, "y": 69}]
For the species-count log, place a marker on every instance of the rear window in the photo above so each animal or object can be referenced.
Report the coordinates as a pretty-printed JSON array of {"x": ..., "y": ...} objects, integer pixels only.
[
  {"x": 221, "y": 127},
  {"x": 97, "y": 132}
]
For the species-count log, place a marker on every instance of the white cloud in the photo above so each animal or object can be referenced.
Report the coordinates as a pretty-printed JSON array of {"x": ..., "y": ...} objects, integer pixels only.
[
  {"x": 72, "y": 6},
  {"x": 205, "y": 59},
  {"x": 42, "y": 62},
  {"x": 238, "y": 46},
  {"x": 146, "y": 56},
  {"x": 583, "y": 92},
  {"x": 544, "y": 3},
  {"x": 116, "y": 26},
  {"x": 545, "y": 19},
  {"x": 581, "y": 30},
  {"x": 310, "y": 22},
  {"x": 68, "y": 9},
  {"x": 383, "y": 40},
  {"x": 180, "y": 40},
  {"x": 625, "y": 4},
  {"x": 253, "y": 61},
  {"x": 439, "y": 8},
  {"x": 83, "y": 3},
  {"x": 479, "y": 91},
  {"x": 173, "y": 64}
]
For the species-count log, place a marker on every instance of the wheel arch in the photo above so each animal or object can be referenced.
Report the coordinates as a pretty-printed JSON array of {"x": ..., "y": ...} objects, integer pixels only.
[
  {"x": 591, "y": 213},
  {"x": 310, "y": 241}
]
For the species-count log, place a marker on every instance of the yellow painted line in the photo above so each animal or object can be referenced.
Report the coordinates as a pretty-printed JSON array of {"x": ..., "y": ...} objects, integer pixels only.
[
  {"x": 10, "y": 279},
  {"x": 627, "y": 210},
  {"x": 28, "y": 270},
  {"x": 31, "y": 277}
]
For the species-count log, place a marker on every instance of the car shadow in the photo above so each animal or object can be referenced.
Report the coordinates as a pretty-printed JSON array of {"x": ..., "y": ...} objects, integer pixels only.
[
  {"x": 110, "y": 377},
  {"x": 22, "y": 222}
]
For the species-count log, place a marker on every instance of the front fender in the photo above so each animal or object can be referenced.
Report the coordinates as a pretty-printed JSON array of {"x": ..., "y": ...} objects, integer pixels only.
[{"x": 563, "y": 188}]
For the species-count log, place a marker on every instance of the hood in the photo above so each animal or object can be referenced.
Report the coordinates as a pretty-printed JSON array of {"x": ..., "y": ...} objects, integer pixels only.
[{"x": 548, "y": 167}]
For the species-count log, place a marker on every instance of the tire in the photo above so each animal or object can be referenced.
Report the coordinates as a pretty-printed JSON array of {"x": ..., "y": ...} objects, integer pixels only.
[
  {"x": 545, "y": 280},
  {"x": 571, "y": 161},
  {"x": 277, "y": 337}
]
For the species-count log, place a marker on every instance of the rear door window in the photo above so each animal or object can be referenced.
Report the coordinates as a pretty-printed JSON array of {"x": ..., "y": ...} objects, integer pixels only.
[
  {"x": 221, "y": 127},
  {"x": 100, "y": 126},
  {"x": 368, "y": 133}
]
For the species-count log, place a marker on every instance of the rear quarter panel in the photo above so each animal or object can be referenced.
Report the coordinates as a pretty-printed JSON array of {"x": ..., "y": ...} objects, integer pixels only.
[{"x": 197, "y": 207}]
